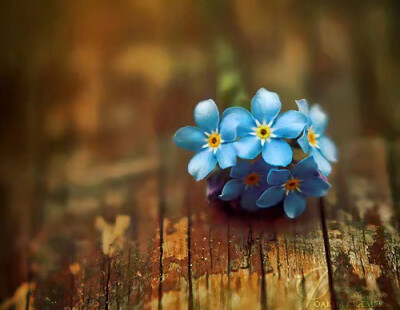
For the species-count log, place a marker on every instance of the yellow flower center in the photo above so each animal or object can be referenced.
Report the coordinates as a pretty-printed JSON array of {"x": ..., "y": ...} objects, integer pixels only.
[
  {"x": 263, "y": 132},
  {"x": 292, "y": 184},
  {"x": 312, "y": 138},
  {"x": 214, "y": 140},
  {"x": 252, "y": 179}
]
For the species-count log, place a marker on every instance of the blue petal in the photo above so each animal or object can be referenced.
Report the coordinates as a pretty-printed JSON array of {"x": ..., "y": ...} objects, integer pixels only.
[
  {"x": 248, "y": 147},
  {"x": 314, "y": 187},
  {"x": 323, "y": 164},
  {"x": 278, "y": 177},
  {"x": 303, "y": 106},
  {"x": 228, "y": 128},
  {"x": 294, "y": 205},
  {"x": 226, "y": 155},
  {"x": 249, "y": 199},
  {"x": 202, "y": 164},
  {"x": 277, "y": 152},
  {"x": 271, "y": 197},
  {"x": 289, "y": 125},
  {"x": 261, "y": 167},
  {"x": 232, "y": 189},
  {"x": 319, "y": 119},
  {"x": 246, "y": 120},
  {"x": 303, "y": 142},
  {"x": 206, "y": 115},
  {"x": 306, "y": 168},
  {"x": 241, "y": 170},
  {"x": 265, "y": 105},
  {"x": 190, "y": 138},
  {"x": 328, "y": 148}
]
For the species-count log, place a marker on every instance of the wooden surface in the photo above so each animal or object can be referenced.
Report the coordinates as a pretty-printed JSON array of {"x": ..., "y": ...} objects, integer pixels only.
[
  {"x": 97, "y": 209},
  {"x": 154, "y": 243}
]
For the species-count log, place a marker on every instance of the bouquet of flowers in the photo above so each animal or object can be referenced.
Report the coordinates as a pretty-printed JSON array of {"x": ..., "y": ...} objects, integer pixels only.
[{"x": 256, "y": 149}]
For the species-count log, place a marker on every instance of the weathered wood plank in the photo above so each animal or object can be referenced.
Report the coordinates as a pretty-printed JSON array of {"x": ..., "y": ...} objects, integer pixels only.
[
  {"x": 173, "y": 290},
  {"x": 250, "y": 263},
  {"x": 110, "y": 256},
  {"x": 201, "y": 252},
  {"x": 141, "y": 270},
  {"x": 295, "y": 262},
  {"x": 209, "y": 253},
  {"x": 245, "y": 262},
  {"x": 362, "y": 229},
  {"x": 62, "y": 264},
  {"x": 101, "y": 255}
]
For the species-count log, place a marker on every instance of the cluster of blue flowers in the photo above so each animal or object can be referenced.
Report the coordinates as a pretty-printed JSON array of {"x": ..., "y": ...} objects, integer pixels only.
[{"x": 258, "y": 182}]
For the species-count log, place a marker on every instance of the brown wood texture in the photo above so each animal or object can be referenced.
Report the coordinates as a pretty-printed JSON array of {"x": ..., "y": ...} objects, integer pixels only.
[
  {"x": 155, "y": 244},
  {"x": 363, "y": 229},
  {"x": 98, "y": 209}
]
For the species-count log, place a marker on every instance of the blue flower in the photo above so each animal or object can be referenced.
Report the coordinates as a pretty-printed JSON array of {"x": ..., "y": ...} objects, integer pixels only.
[
  {"x": 264, "y": 131},
  {"x": 211, "y": 140},
  {"x": 249, "y": 181},
  {"x": 293, "y": 187},
  {"x": 313, "y": 140}
]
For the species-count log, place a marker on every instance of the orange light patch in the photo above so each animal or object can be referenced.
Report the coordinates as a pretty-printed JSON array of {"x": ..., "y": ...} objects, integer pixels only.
[
  {"x": 252, "y": 179},
  {"x": 214, "y": 140},
  {"x": 292, "y": 184}
]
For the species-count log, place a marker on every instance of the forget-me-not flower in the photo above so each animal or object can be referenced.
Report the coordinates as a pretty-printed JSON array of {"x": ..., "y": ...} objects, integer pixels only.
[
  {"x": 264, "y": 131},
  {"x": 248, "y": 182},
  {"x": 293, "y": 187},
  {"x": 211, "y": 140},
  {"x": 313, "y": 140}
]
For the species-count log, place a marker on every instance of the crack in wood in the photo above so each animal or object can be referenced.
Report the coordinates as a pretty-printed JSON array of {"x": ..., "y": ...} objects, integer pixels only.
[
  {"x": 107, "y": 300},
  {"x": 161, "y": 271},
  {"x": 28, "y": 298},
  {"x": 278, "y": 263},
  {"x": 210, "y": 248},
  {"x": 189, "y": 216},
  {"x": 263, "y": 282},
  {"x": 161, "y": 215},
  {"x": 327, "y": 254},
  {"x": 161, "y": 211},
  {"x": 250, "y": 243},
  {"x": 229, "y": 265}
]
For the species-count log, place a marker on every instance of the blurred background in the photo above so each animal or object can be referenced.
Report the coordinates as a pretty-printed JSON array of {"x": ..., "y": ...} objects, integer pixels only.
[{"x": 94, "y": 90}]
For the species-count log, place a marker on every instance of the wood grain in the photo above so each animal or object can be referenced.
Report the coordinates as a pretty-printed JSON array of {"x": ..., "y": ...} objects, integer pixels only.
[
  {"x": 362, "y": 228},
  {"x": 154, "y": 242}
]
